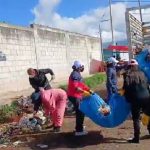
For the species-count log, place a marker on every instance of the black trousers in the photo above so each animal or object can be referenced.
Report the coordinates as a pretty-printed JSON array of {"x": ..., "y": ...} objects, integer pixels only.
[
  {"x": 136, "y": 109},
  {"x": 79, "y": 114}
]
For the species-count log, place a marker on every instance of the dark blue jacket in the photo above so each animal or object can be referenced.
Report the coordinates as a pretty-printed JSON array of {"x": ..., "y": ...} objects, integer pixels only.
[{"x": 111, "y": 77}]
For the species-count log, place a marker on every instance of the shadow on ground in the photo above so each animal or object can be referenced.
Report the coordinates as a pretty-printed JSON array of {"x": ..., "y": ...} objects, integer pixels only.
[
  {"x": 145, "y": 137},
  {"x": 67, "y": 140}
]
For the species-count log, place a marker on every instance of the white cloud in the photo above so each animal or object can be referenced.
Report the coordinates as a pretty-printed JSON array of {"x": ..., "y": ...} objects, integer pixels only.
[
  {"x": 45, "y": 13},
  {"x": 145, "y": 14}
]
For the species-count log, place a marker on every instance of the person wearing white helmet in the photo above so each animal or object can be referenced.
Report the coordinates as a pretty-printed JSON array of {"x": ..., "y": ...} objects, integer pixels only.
[
  {"x": 111, "y": 82},
  {"x": 137, "y": 94},
  {"x": 76, "y": 87},
  {"x": 112, "y": 60}
]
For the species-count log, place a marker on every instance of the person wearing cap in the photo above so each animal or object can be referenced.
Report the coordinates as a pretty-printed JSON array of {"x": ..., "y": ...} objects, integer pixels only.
[
  {"x": 137, "y": 94},
  {"x": 111, "y": 83},
  {"x": 76, "y": 87},
  {"x": 114, "y": 60}
]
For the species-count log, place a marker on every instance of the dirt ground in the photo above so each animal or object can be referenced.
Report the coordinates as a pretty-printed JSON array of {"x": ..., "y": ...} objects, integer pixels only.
[{"x": 98, "y": 138}]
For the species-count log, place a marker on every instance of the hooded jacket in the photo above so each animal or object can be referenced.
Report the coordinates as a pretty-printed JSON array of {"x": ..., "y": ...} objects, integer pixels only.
[{"x": 136, "y": 91}]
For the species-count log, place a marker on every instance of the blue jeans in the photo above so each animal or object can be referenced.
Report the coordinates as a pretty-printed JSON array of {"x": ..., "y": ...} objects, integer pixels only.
[
  {"x": 36, "y": 100},
  {"x": 110, "y": 91}
]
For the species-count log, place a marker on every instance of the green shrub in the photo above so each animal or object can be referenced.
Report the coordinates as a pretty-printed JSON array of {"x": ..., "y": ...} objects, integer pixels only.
[
  {"x": 6, "y": 111},
  {"x": 95, "y": 80},
  {"x": 92, "y": 81},
  {"x": 64, "y": 87}
]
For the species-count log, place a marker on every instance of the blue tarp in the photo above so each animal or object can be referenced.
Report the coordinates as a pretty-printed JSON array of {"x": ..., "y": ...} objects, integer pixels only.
[
  {"x": 120, "y": 110},
  {"x": 143, "y": 64}
]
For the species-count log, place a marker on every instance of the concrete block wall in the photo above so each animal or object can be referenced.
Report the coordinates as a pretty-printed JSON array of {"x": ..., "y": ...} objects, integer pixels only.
[
  {"x": 51, "y": 50},
  {"x": 77, "y": 50},
  {"x": 41, "y": 47},
  {"x": 18, "y": 45}
]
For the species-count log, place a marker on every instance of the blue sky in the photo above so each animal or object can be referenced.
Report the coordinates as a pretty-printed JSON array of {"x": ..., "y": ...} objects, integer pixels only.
[
  {"x": 76, "y": 8},
  {"x": 81, "y": 16},
  {"x": 18, "y": 12}
]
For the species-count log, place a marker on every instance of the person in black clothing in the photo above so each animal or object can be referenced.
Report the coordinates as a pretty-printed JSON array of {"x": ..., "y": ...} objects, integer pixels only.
[
  {"x": 37, "y": 79},
  {"x": 137, "y": 94}
]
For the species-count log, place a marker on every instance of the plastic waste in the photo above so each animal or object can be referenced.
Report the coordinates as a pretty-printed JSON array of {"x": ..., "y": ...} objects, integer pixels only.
[
  {"x": 42, "y": 146},
  {"x": 143, "y": 63},
  {"x": 105, "y": 110},
  {"x": 17, "y": 143}
]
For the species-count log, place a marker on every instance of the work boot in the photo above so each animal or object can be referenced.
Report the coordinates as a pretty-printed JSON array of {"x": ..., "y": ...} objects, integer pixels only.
[
  {"x": 134, "y": 140},
  {"x": 82, "y": 133},
  {"x": 56, "y": 129}
]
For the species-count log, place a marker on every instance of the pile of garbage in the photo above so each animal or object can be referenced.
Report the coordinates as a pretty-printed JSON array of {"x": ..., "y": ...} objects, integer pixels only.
[{"x": 27, "y": 122}]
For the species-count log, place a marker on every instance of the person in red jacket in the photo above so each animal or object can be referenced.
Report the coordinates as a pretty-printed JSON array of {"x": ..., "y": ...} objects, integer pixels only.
[{"x": 76, "y": 87}]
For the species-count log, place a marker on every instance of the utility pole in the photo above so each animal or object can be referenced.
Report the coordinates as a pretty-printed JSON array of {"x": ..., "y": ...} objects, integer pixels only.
[
  {"x": 141, "y": 19},
  {"x": 101, "y": 42},
  {"x": 140, "y": 10},
  {"x": 100, "y": 35},
  {"x": 111, "y": 23}
]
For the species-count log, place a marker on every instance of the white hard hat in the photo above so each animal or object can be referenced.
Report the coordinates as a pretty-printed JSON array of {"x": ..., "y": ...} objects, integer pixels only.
[
  {"x": 112, "y": 60},
  {"x": 78, "y": 64}
]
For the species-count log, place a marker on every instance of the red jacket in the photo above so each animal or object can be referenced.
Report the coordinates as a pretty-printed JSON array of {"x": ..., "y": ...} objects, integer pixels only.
[{"x": 75, "y": 81}]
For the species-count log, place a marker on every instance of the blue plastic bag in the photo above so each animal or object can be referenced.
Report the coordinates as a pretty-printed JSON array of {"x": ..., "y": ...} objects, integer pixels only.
[
  {"x": 119, "y": 110},
  {"x": 143, "y": 64}
]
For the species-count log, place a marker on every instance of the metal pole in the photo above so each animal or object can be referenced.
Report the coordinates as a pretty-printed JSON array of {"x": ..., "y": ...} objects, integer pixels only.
[
  {"x": 141, "y": 18},
  {"x": 128, "y": 34},
  {"x": 111, "y": 23},
  {"x": 101, "y": 42},
  {"x": 139, "y": 2}
]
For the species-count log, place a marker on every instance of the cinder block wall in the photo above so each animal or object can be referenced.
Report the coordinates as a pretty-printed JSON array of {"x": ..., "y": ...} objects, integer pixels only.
[
  {"x": 42, "y": 47},
  {"x": 18, "y": 45}
]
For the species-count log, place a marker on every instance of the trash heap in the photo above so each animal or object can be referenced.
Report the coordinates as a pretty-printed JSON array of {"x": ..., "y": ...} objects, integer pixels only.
[{"x": 26, "y": 122}]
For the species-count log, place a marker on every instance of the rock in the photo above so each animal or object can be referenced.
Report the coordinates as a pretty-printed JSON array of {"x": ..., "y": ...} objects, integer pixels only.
[
  {"x": 42, "y": 146},
  {"x": 17, "y": 143},
  {"x": 3, "y": 146}
]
